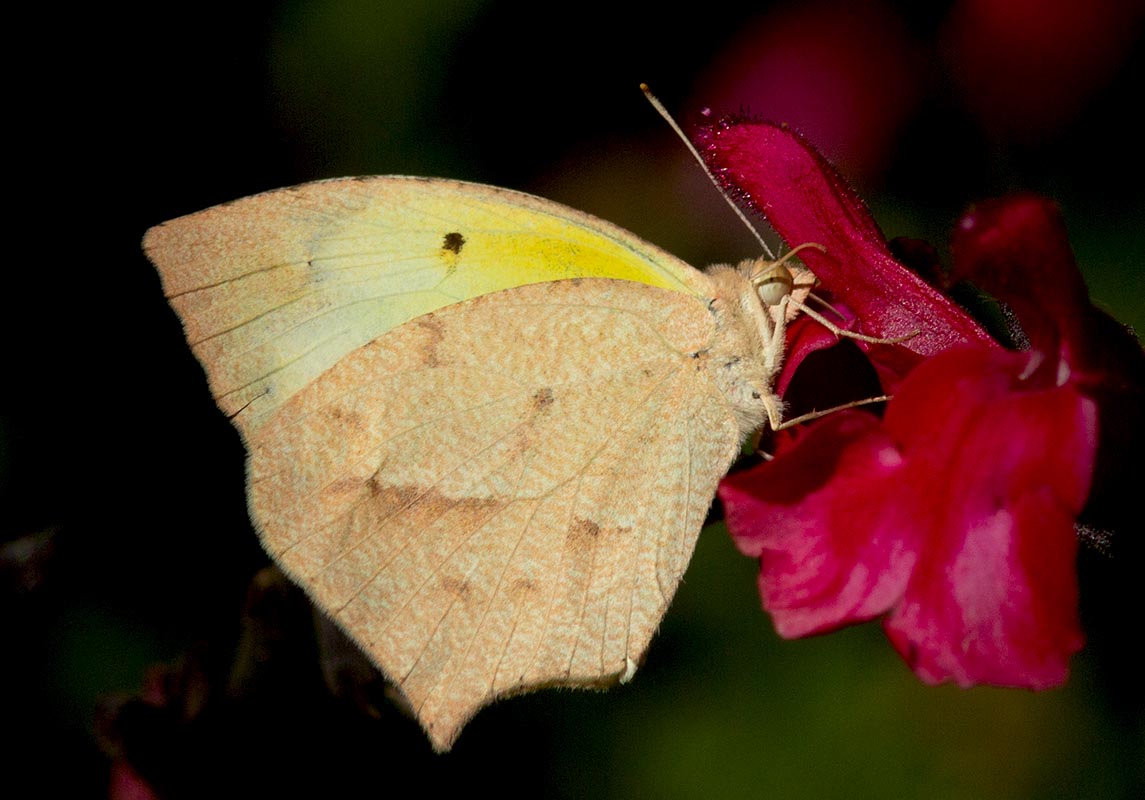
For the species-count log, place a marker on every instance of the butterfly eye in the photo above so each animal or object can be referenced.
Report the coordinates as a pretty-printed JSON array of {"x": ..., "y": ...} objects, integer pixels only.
[{"x": 773, "y": 283}]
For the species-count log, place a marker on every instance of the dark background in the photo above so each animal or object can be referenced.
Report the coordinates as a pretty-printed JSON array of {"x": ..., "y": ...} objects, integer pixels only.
[{"x": 121, "y": 489}]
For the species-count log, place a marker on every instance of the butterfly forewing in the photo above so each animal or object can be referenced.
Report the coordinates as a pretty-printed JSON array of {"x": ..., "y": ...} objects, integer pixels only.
[{"x": 274, "y": 289}]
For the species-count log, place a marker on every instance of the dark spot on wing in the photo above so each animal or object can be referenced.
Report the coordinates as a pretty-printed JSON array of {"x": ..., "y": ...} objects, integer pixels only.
[
  {"x": 542, "y": 398},
  {"x": 581, "y": 533},
  {"x": 453, "y": 242},
  {"x": 459, "y": 587},
  {"x": 345, "y": 420},
  {"x": 432, "y": 328},
  {"x": 523, "y": 587}
]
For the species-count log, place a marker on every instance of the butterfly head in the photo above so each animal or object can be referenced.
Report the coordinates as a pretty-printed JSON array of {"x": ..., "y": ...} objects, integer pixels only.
[{"x": 774, "y": 280}]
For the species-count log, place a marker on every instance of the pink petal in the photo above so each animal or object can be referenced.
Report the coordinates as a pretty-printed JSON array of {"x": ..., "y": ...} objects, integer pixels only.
[
  {"x": 956, "y": 515},
  {"x": 1000, "y": 473},
  {"x": 804, "y": 337},
  {"x": 816, "y": 518},
  {"x": 776, "y": 172},
  {"x": 1017, "y": 249}
]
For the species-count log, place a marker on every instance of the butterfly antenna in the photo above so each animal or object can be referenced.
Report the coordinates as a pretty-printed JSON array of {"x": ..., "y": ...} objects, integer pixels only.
[{"x": 663, "y": 112}]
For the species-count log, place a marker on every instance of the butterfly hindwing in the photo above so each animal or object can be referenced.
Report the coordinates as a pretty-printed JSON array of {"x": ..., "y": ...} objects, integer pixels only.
[{"x": 483, "y": 517}]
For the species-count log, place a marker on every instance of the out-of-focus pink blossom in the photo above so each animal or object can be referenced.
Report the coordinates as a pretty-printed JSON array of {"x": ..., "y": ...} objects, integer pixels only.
[
  {"x": 1026, "y": 67},
  {"x": 846, "y": 74}
]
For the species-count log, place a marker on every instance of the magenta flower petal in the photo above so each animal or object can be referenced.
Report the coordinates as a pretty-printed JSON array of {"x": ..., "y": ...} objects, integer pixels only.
[
  {"x": 955, "y": 515},
  {"x": 779, "y": 174},
  {"x": 804, "y": 337},
  {"x": 996, "y": 487},
  {"x": 1017, "y": 249},
  {"x": 813, "y": 519}
]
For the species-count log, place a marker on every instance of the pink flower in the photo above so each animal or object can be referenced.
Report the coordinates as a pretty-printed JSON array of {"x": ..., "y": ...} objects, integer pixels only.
[
  {"x": 953, "y": 517},
  {"x": 849, "y": 75},
  {"x": 1027, "y": 67}
]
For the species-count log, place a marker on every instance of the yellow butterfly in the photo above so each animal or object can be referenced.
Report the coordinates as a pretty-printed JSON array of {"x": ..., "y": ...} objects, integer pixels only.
[{"x": 483, "y": 429}]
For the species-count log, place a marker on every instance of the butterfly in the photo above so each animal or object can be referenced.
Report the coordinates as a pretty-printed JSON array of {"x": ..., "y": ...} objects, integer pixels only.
[{"x": 483, "y": 429}]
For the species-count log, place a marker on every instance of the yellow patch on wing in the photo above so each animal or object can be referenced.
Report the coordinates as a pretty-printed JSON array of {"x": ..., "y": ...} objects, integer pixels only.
[{"x": 274, "y": 289}]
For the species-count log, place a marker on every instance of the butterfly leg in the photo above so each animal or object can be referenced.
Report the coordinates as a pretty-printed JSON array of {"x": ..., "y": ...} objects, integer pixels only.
[
  {"x": 835, "y": 329},
  {"x": 774, "y": 347},
  {"x": 775, "y": 344}
]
